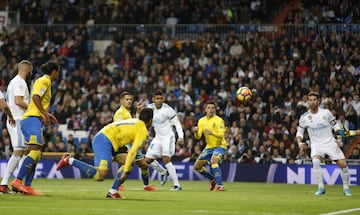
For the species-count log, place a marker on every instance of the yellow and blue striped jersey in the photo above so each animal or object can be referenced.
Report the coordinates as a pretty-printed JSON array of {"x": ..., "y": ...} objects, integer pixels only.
[
  {"x": 42, "y": 87},
  {"x": 217, "y": 126},
  {"x": 121, "y": 114},
  {"x": 121, "y": 133}
]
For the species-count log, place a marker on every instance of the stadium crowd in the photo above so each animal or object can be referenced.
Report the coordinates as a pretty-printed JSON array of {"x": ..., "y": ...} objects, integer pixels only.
[{"x": 279, "y": 70}]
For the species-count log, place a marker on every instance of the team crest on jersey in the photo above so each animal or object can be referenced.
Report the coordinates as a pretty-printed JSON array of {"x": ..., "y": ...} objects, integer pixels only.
[
  {"x": 21, "y": 87},
  {"x": 214, "y": 125},
  {"x": 324, "y": 118},
  {"x": 310, "y": 117},
  {"x": 42, "y": 91}
]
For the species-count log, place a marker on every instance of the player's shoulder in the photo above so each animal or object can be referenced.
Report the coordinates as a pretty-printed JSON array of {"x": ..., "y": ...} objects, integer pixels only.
[
  {"x": 166, "y": 106},
  {"x": 151, "y": 105},
  {"x": 304, "y": 115},
  {"x": 17, "y": 80}
]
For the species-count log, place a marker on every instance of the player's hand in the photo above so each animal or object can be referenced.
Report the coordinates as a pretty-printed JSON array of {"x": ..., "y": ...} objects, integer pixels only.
[
  {"x": 139, "y": 105},
  {"x": 12, "y": 122},
  {"x": 207, "y": 131},
  {"x": 180, "y": 141},
  {"x": 302, "y": 145},
  {"x": 52, "y": 118},
  {"x": 194, "y": 129},
  {"x": 123, "y": 177},
  {"x": 339, "y": 142}
]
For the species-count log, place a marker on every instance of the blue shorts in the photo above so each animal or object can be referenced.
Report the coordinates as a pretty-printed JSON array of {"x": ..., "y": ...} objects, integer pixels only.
[
  {"x": 32, "y": 129},
  {"x": 207, "y": 154},
  {"x": 103, "y": 149}
]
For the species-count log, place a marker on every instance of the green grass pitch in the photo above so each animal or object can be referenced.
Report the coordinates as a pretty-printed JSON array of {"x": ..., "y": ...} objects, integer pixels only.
[{"x": 87, "y": 197}]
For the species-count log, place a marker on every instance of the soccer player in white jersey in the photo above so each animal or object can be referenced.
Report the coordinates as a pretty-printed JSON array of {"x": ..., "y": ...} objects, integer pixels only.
[
  {"x": 18, "y": 99},
  {"x": 163, "y": 144},
  {"x": 320, "y": 124}
]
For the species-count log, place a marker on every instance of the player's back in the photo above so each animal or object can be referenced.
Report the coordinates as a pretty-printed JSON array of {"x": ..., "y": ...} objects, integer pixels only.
[{"x": 124, "y": 132}]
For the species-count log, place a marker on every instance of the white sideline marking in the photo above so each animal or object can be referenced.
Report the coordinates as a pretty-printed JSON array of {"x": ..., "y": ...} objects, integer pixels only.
[
  {"x": 169, "y": 211},
  {"x": 342, "y": 212}
]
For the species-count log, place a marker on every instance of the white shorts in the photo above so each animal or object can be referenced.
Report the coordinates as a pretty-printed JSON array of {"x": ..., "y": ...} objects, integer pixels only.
[
  {"x": 16, "y": 135},
  {"x": 161, "y": 146},
  {"x": 332, "y": 150}
]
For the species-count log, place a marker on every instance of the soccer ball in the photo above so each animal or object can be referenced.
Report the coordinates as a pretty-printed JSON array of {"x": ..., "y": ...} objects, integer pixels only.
[{"x": 243, "y": 94}]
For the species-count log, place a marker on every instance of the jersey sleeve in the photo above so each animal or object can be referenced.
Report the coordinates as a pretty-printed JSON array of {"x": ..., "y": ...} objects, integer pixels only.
[
  {"x": 20, "y": 89},
  {"x": 40, "y": 87},
  {"x": 301, "y": 127},
  {"x": 332, "y": 120}
]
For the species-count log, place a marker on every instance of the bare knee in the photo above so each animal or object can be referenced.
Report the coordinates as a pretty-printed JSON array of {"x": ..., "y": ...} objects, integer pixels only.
[
  {"x": 198, "y": 166},
  {"x": 149, "y": 160},
  {"x": 142, "y": 164},
  {"x": 166, "y": 159}
]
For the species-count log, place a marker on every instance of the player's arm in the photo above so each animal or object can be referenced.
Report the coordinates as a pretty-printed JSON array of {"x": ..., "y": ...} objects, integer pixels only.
[
  {"x": 300, "y": 134},
  {"x": 339, "y": 132},
  {"x": 140, "y": 137},
  {"x": 175, "y": 121},
  {"x": 7, "y": 111},
  {"x": 198, "y": 130},
  {"x": 19, "y": 101}
]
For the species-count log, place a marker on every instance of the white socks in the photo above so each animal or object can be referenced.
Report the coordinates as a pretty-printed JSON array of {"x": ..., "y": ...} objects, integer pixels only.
[
  {"x": 345, "y": 177},
  {"x": 172, "y": 172},
  {"x": 318, "y": 172},
  {"x": 156, "y": 166},
  {"x": 10, "y": 168}
]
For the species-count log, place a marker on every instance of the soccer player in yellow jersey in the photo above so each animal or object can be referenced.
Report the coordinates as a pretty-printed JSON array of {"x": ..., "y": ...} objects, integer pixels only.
[
  {"x": 213, "y": 129},
  {"x": 123, "y": 113},
  {"x": 34, "y": 119},
  {"x": 109, "y": 140}
]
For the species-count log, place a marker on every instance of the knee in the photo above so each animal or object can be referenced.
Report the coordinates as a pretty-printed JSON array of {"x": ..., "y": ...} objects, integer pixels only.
[
  {"x": 197, "y": 167},
  {"x": 166, "y": 159},
  {"x": 142, "y": 164},
  {"x": 148, "y": 160}
]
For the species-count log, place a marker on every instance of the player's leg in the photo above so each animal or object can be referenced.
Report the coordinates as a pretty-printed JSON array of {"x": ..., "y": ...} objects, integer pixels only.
[
  {"x": 153, "y": 152},
  {"x": 102, "y": 148},
  {"x": 17, "y": 142},
  {"x": 215, "y": 160},
  {"x": 199, "y": 166},
  {"x": 172, "y": 173},
  {"x": 140, "y": 161},
  {"x": 31, "y": 128},
  {"x": 318, "y": 174},
  {"x": 120, "y": 158},
  {"x": 168, "y": 150},
  {"x": 337, "y": 155},
  {"x": 344, "y": 176}
]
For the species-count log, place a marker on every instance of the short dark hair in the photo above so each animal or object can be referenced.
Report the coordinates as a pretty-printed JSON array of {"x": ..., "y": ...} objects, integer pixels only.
[
  {"x": 126, "y": 93},
  {"x": 313, "y": 93},
  {"x": 211, "y": 102},
  {"x": 146, "y": 114},
  {"x": 49, "y": 66},
  {"x": 158, "y": 92}
]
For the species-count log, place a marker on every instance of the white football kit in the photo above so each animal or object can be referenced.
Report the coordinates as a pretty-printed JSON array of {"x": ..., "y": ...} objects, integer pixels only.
[
  {"x": 17, "y": 87},
  {"x": 319, "y": 127},
  {"x": 163, "y": 143}
]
